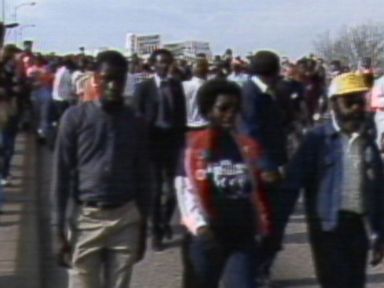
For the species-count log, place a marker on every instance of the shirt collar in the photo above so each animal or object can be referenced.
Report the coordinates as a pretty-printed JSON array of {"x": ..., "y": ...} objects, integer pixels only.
[
  {"x": 158, "y": 80},
  {"x": 197, "y": 80},
  {"x": 335, "y": 125},
  {"x": 262, "y": 86}
]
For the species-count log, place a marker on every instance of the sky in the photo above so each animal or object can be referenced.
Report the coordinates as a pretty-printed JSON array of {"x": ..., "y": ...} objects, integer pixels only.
[{"x": 286, "y": 26}]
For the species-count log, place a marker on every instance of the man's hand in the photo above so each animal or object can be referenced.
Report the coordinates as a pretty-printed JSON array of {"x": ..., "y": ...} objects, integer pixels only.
[
  {"x": 377, "y": 253},
  {"x": 271, "y": 177},
  {"x": 64, "y": 251},
  {"x": 204, "y": 231}
]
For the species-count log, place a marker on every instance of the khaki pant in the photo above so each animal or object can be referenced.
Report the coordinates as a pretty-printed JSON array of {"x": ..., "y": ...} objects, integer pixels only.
[{"x": 105, "y": 243}]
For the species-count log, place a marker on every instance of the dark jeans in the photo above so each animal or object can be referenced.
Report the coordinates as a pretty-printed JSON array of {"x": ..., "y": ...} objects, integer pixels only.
[
  {"x": 282, "y": 204},
  {"x": 165, "y": 150},
  {"x": 189, "y": 280},
  {"x": 9, "y": 138},
  {"x": 340, "y": 256},
  {"x": 211, "y": 259},
  {"x": 55, "y": 111},
  {"x": 41, "y": 99}
]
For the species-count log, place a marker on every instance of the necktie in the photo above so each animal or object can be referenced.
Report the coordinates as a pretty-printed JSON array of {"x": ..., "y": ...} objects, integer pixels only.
[{"x": 165, "y": 117}]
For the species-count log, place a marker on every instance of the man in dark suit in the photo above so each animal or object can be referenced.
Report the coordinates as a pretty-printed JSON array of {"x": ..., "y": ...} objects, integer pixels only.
[
  {"x": 160, "y": 100},
  {"x": 263, "y": 119}
]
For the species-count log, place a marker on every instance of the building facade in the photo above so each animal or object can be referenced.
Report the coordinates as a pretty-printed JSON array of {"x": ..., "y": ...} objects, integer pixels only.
[
  {"x": 142, "y": 45},
  {"x": 189, "y": 49}
]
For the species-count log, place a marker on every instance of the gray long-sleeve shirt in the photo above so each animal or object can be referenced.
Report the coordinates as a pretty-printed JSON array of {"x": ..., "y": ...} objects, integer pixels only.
[{"x": 101, "y": 156}]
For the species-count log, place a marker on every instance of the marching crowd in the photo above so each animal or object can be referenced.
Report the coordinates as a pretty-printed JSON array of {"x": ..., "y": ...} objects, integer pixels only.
[{"x": 232, "y": 142}]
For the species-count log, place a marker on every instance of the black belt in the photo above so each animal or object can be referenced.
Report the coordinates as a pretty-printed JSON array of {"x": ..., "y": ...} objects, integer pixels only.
[{"x": 101, "y": 205}]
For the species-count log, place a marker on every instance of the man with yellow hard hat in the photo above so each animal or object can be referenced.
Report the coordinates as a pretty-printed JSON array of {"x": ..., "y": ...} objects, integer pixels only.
[{"x": 339, "y": 167}]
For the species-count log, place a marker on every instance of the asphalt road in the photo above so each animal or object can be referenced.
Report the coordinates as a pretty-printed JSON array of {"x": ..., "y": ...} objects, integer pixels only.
[{"x": 293, "y": 267}]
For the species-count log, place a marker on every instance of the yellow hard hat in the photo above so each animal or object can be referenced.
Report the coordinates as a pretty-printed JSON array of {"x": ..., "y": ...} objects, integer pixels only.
[{"x": 347, "y": 83}]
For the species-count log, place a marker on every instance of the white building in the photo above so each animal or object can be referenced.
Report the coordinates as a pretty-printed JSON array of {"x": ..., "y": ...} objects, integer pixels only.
[
  {"x": 189, "y": 49},
  {"x": 142, "y": 44}
]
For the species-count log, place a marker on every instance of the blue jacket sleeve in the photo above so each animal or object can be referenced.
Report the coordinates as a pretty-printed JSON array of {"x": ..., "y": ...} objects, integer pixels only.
[{"x": 252, "y": 113}]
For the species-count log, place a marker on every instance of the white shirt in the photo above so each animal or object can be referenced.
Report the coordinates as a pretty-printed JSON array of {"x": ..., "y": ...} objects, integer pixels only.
[
  {"x": 239, "y": 78},
  {"x": 192, "y": 213},
  {"x": 158, "y": 80},
  {"x": 262, "y": 86},
  {"x": 377, "y": 95},
  {"x": 352, "y": 170},
  {"x": 62, "y": 85},
  {"x": 194, "y": 118}
]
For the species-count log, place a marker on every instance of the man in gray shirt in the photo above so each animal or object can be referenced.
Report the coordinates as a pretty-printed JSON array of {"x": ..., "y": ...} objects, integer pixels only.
[{"x": 101, "y": 164}]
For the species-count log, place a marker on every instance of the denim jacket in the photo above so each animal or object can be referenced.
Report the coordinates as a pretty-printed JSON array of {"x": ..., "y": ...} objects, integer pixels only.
[{"x": 318, "y": 168}]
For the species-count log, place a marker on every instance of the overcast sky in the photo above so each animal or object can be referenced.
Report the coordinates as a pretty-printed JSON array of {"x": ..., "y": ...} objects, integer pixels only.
[{"x": 287, "y": 26}]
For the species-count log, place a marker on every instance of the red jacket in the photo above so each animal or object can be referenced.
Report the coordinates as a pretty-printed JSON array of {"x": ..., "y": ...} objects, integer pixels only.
[{"x": 200, "y": 145}]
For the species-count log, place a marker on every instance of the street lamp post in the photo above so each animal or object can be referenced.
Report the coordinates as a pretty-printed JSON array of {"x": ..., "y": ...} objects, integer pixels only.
[
  {"x": 3, "y": 11},
  {"x": 22, "y": 27},
  {"x": 22, "y": 5},
  {"x": 15, "y": 13}
]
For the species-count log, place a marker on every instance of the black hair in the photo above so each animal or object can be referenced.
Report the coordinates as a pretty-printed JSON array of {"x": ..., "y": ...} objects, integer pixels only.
[
  {"x": 265, "y": 63},
  {"x": 12, "y": 48},
  {"x": 112, "y": 57},
  {"x": 152, "y": 58},
  {"x": 210, "y": 90},
  {"x": 68, "y": 62}
]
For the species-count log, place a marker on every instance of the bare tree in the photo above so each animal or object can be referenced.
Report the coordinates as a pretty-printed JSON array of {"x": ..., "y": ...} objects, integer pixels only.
[{"x": 353, "y": 44}]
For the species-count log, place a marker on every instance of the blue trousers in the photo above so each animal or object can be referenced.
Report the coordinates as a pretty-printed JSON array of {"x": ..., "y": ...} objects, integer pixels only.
[
  {"x": 9, "y": 139},
  {"x": 341, "y": 256},
  {"x": 42, "y": 101},
  {"x": 213, "y": 260}
]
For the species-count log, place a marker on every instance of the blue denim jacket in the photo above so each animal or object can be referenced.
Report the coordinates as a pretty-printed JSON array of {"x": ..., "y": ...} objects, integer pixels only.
[{"x": 318, "y": 168}]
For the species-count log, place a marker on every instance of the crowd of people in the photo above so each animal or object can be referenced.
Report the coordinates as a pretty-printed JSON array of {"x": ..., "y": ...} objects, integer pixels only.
[{"x": 231, "y": 142}]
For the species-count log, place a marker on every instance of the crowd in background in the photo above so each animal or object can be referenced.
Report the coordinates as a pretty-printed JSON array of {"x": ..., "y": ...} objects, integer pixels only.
[{"x": 190, "y": 109}]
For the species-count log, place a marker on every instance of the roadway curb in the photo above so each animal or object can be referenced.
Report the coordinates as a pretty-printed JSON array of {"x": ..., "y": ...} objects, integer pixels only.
[{"x": 30, "y": 241}]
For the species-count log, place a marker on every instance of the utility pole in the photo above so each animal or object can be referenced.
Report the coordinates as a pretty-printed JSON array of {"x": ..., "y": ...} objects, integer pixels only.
[{"x": 3, "y": 11}]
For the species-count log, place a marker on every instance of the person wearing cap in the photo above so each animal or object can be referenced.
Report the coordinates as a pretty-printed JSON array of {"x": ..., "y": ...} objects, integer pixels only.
[{"x": 338, "y": 166}]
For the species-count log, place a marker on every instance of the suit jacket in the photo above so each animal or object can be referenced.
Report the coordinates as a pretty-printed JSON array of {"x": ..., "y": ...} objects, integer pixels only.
[
  {"x": 146, "y": 102},
  {"x": 263, "y": 120}
]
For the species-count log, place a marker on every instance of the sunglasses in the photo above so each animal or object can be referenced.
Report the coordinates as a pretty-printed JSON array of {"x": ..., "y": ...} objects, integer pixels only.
[
  {"x": 349, "y": 102},
  {"x": 227, "y": 107}
]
